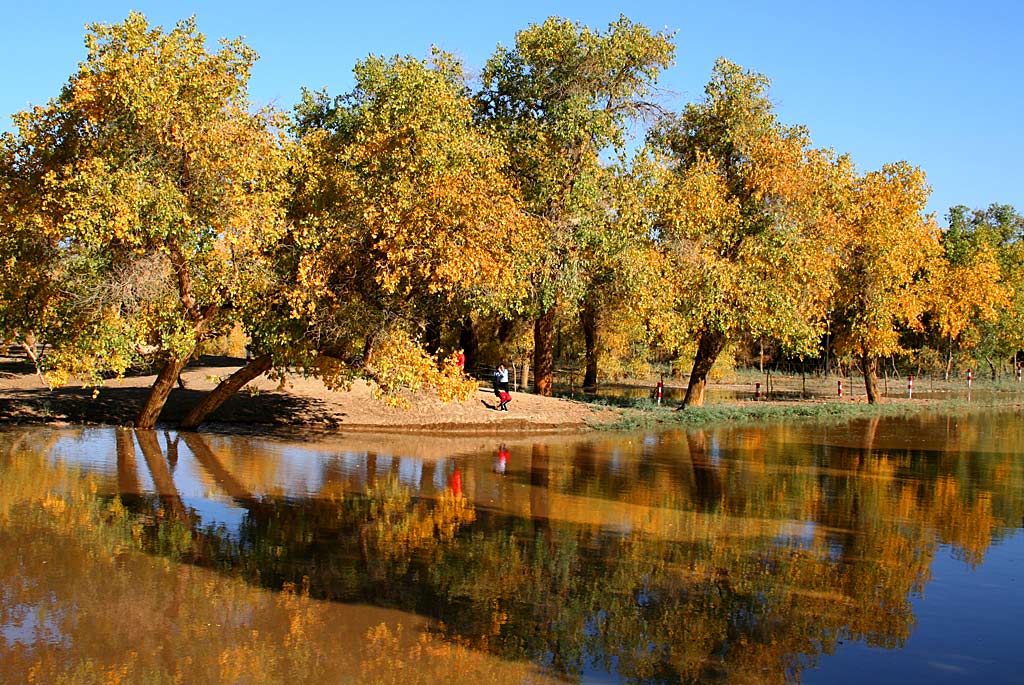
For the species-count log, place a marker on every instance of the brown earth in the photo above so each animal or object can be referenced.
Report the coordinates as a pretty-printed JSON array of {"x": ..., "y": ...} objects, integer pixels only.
[{"x": 266, "y": 405}]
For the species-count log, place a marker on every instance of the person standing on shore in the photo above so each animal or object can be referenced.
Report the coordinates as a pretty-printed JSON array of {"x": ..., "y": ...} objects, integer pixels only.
[{"x": 501, "y": 387}]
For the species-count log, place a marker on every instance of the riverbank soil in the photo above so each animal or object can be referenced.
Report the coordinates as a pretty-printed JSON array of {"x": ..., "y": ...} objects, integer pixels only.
[{"x": 267, "y": 404}]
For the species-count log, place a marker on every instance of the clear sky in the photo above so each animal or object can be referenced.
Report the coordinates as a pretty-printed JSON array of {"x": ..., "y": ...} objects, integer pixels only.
[{"x": 935, "y": 82}]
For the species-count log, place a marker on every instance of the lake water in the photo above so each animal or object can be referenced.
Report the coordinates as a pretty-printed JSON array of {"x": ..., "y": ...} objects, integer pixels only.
[{"x": 877, "y": 550}]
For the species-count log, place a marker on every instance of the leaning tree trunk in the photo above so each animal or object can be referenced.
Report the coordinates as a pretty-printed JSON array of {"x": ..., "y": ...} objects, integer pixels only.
[
  {"x": 709, "y": 347},
  {"x": 227, "y": 387},
  {"x": 588, "y": 319},
  {"x": 870, "y": 365},
  {"x": 157, "y": 398},
  {"x": 543, "y": 353}
]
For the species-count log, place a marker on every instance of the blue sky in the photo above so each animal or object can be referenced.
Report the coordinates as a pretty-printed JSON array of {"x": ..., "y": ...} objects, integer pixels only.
[{"x": 937, "y": 83}]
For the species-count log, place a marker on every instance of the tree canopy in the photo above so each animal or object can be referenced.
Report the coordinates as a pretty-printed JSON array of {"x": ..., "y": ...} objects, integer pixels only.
[
  {"x": 152, "y": 189},
  {"x": 558, "y": 100},
  {"x": 149, "y": 208},
  {"x": 746, "y": 212}
]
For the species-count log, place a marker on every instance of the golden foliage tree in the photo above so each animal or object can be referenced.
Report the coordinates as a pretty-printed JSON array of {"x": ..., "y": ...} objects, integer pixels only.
[
  {"x": 402, "y": 214},
  {"x": 976, "y": 299},
  {"x": 156, "y": 191},
  {"x": 559, "y": 99},
  {"x": 745, "y": 211},
  {"x": 963, "y": 295},
  {"x": 888, "y": 248}
]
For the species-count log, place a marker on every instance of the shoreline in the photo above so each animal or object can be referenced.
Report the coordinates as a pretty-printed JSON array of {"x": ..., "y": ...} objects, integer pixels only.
[
  {"x": 303, "y": 406},
  {"x": 300, "y": 404}
]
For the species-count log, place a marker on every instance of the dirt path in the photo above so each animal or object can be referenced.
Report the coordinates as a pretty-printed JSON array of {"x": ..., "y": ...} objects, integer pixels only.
[{"x": 266, "y": 405}]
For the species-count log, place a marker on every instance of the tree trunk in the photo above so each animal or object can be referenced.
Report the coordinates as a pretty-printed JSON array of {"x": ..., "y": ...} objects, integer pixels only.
[
  {"x": 710, "y": 346},
  {"x": 675, "y": 370},
  {"x": 30, "y": 351},
  {"x": 588, "y": 319},
  {"x": 949, "y": 359},
  {"x": 469, "y": 343},
  {"x": 227, "y": 387},
  {"x": 506, "y": 329},
  {"x": 870, "y": 365},
  {"x": 828, "y": 345},
  {"x": 157, "y": 398},
  {"x": 432, "y": 334},
  {"x": 543, "y": 353},
  {"x": 525, "y": 382}
]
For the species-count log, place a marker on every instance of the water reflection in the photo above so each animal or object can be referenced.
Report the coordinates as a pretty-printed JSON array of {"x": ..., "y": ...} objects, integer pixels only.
[{"x": 749, "y": 554}]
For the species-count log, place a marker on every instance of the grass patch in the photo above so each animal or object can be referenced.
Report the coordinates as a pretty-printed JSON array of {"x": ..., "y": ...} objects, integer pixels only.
[{"x": 639, "y": 414}]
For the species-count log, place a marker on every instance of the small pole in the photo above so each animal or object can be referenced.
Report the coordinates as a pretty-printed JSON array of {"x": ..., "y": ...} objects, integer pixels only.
[
  {"x": 757, "y": 391},
  {"x": 970, "y": 377},
  {"x": 660, "y": 389},
  {"x": 840, "y": 382},
  {"x": 910, "y": 387},
  {"x": 1018, "y": 371}
]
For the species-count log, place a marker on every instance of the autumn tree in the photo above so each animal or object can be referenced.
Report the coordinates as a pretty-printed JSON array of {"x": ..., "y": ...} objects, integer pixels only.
[
  {"x": 559, "y": 99},
  {"x": 152, "y": 182},
  {"x": 28, "y": 271},
  {"x": 975, "y": 300},
  {"x": 624, "y": 302},
  {"x": 745, "y": 210},
  {"x": 400, "y": 214},
  {"x": 889, "y": 246}
]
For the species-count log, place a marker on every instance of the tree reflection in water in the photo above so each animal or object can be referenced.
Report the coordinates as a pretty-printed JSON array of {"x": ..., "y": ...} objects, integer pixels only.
[{"x": 741, "y": 555}]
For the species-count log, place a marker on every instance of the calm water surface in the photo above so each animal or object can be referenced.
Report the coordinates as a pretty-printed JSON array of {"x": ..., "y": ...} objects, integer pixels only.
[{"x": 888, "y": 550}]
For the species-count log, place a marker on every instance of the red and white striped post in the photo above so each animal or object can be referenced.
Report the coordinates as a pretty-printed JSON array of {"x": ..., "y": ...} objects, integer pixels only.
[
  {"x": 659, "y": 391},
  {"x": 1019, "y": 369},
  {"x": 840, "y": 388},
  {"x": 970, "y": 377},
  {"x": 757, "y": 391},
  {"x": 910, "y": 387}
]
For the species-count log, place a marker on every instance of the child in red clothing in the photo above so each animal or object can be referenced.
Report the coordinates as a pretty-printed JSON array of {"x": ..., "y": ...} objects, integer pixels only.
[{"x": 504, "y": 398}]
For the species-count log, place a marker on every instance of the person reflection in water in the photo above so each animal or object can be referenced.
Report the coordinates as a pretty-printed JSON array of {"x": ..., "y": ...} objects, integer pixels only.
[{"x": 502, "y": 463}]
